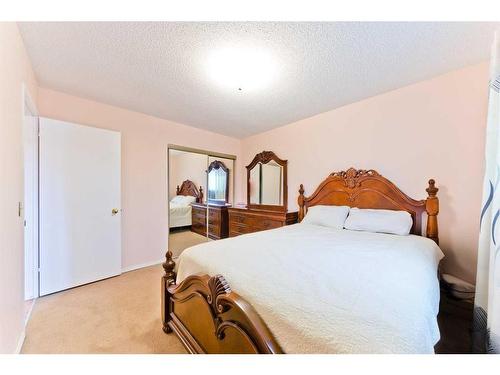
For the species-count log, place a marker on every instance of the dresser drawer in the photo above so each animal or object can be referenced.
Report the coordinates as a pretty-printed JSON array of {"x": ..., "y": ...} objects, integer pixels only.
[
  {"x": 199, "y": 228},
  {"x": 235, "y": 229},
  {"x": 198, "y": 219},
  {"x": 239, "y": 227},
  {"x": 214, "y": 214},
  {"x": 199, "y": 212},
  {"x": 214, "y": 220},
  {"x": 269, "y": 224},
  {"x": 238, "y": 218},
  {"x": 254, "y": 224},
  {"x": 249, "y": 221},
  {"x": 214, "y": 230}
]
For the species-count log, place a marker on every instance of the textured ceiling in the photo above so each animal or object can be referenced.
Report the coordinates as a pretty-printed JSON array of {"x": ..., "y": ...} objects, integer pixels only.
[{"x": 161, "y": 68}]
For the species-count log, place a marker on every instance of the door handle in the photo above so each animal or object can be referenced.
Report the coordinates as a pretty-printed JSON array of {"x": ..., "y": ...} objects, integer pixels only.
[{"x": 114, "y": 211}]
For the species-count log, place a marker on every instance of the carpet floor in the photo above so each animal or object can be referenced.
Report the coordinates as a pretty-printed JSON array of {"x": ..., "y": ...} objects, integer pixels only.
[
  {"x": 117, "y": 315},
  {"x": 179, "y": 240}
]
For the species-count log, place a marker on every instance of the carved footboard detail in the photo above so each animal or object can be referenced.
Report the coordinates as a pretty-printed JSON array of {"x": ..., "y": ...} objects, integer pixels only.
[{"x": 208, "y": 317}]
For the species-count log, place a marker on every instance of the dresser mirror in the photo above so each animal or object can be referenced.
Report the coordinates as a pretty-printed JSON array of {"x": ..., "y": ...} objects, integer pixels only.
[
  {"x": 218, "y": 183},
  {"x": 267, "y": 182}
]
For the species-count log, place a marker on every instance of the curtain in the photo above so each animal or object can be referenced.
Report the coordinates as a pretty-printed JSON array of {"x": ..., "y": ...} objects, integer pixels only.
[
  {"x": 486, "y": 326},
  {"x": 217, "y": 179}
]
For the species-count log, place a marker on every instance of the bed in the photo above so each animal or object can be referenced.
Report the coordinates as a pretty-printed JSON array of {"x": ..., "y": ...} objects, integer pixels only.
[
  {"x": 309, "y": 289},
  {"x": 180, "y": 205}
]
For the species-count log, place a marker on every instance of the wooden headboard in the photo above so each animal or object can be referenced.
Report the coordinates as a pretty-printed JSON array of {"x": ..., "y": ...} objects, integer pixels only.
[
  {"x": 188, "y": 187},
  {"x": 368, "y": 189}
]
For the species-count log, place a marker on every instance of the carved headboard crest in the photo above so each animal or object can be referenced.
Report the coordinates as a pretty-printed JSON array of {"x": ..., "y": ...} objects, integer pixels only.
[
  {"x": 188, "y": 187},
  {"x": 351, "y": 176}
]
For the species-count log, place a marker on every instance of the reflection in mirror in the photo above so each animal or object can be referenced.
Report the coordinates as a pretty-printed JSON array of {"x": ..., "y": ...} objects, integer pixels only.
[
  {"x": 199, "y": 192},
  {"x": 267, "y": 182},
  {"x": 218, "y": 182},
  {"x": 266, "y": 185},
  {"x": 254, "y": 184},
  {"x": 187, "y": 193},
  {"x": 217, "y": 185}
]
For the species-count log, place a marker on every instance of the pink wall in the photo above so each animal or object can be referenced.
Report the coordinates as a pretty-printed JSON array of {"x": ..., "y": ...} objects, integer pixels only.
[
  {"x": 144, "y": 165},
  {"x": 434, "y": 128},
  {"x": 15, "y": 69}
]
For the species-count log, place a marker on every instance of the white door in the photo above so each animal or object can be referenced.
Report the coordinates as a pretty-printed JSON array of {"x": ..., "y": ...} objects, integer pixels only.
[{"x": 80, "y": 228}]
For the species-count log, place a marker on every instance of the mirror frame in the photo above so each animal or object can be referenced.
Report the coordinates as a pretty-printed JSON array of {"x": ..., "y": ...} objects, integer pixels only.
[
  {"x": 217, "y": 164},
  {"x": 265, "y": 157}
]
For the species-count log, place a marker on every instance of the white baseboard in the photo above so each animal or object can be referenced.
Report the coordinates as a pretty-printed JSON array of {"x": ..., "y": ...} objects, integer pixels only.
[
  {"x": 28, "y": 316},
  {"x": 20, "y": 342},
  {"x": 142, "y": 265},
  {"x": 22, "y": 336}
]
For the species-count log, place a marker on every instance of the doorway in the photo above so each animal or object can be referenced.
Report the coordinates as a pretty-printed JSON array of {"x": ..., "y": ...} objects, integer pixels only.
[
  {"x": 30, "y": 153},
  {"x": 200, "y": 187}
]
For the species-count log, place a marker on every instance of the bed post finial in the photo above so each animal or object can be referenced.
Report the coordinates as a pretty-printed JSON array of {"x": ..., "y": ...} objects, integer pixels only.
[
  {"x": 169, "y": 266},
  {"x": 301, "y": 202},
  {"x": 167, "y": 280},
  {"x": 432, "y": 189},
  {"x": 432, "y": 209},
  {"x": 178, "y": 189}
]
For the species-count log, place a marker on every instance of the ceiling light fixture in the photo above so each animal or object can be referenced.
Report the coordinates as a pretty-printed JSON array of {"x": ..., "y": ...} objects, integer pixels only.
[{"x": 241, "y": 69}]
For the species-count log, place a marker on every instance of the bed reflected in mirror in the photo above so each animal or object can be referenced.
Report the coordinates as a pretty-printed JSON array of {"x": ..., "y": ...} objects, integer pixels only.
[
  {"x": 199, "y": 194},
  {"x": 187, "y": 194}
]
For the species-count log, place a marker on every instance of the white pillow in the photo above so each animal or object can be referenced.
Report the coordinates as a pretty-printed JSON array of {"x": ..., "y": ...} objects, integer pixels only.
[
  {"x": 183, "y": 199},
  {"x": 327, "y": 216},
  {"x": 189, "y": 199},
  {"x": 177, "y": 199},
  {"x": 380, "y": 221}
]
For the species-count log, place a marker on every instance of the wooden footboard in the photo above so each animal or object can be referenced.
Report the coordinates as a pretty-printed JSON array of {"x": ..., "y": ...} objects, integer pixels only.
[{"x": 210, "y": 318}]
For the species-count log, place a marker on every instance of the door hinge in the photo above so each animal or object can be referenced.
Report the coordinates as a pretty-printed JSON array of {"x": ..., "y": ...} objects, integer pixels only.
[{"x": 19, "y": 208}]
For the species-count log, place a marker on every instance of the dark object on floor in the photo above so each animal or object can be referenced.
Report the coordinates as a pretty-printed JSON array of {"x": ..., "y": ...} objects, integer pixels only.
[{"x": 455, "y": 324}]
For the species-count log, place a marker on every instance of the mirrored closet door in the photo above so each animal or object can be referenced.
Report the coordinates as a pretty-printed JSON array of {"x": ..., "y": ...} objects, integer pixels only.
[{"x": 200, "y": 189}]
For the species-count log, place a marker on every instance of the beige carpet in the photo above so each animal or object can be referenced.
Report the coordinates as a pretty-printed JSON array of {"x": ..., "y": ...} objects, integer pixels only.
[
  {"x": 179, "y": 240},
  {"x": 117, "y": 315}
]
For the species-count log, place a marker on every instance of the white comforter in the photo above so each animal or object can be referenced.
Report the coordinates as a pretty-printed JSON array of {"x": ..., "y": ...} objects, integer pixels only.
[
  {"x": 180, "y": 215},
  {"x": 322, "y": 290}
]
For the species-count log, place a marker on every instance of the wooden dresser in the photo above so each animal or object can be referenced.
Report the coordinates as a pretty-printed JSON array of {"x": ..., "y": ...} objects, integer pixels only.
[
  {"x": 218, "y": 223},
  {"x": 244, "y": 220}
]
